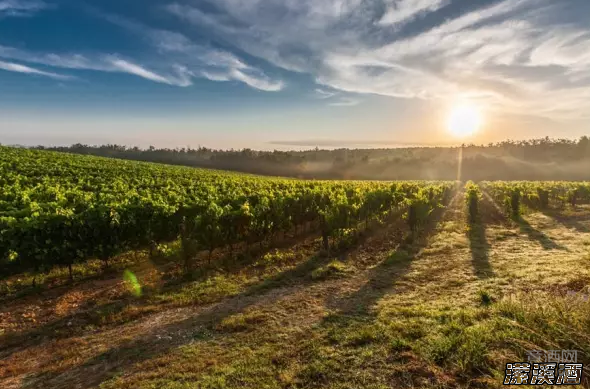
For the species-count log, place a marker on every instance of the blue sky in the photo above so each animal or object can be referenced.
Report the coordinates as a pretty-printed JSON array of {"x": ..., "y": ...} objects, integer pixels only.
[{"x": 278, "y": 73}]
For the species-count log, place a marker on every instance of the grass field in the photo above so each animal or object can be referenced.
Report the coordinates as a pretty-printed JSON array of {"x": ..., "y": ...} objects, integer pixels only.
[{"x": 447, "y": 309}]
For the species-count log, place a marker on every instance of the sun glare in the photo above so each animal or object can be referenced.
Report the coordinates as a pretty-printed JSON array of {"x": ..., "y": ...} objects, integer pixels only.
[{"x": 464, "y": 120}]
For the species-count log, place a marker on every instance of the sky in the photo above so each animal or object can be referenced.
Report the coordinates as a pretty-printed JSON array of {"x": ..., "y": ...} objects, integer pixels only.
[{"x": 281, "y": 74}]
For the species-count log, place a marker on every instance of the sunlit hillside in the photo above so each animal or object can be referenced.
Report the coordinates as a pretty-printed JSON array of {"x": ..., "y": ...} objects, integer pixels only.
[{"x": 118, "y": 274}]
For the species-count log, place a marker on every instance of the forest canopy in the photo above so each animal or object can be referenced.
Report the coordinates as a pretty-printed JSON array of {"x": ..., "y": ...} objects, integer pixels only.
[{"x": 536, "y": 159}]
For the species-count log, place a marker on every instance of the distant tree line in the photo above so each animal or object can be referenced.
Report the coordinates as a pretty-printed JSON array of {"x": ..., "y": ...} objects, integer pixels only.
[{"x": 535, "y": 159}]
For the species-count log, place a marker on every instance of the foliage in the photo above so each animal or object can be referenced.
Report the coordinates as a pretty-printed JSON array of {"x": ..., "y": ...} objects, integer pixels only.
[
  {"x": 421, "y": 202},
  {"x": 59, "y": 209},
  {"x": 538, "y": 195},
  {"x": 472, "y": 197},
  {"x": 534, "y": 159}
]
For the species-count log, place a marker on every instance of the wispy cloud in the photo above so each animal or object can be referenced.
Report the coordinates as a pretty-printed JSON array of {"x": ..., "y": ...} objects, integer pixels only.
[
  {"x": 183, "y": 77},
  {"x": 215, "y": 76},
  {"x": 256, "y": 81},
  {"x": 21, "y": 8},
  {"x": 336, "y": 98},
  {"x": 178, "y": 76},
  {"x": 403, "y": 11},
  {"x": 210, "y": 63},
  {"x": 215, "y": 64},
  {"x": 518, "y": 56},
  {"x": 18, "y": 68},
  {"x": 177, "y": 61},
  {"x": 324, "y": 94},
  {"x": 345, "y": 102}
]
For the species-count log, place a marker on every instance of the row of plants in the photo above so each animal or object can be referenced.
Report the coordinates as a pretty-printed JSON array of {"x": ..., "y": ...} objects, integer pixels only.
[
  {"x": 538, "y": 195},
  {"x": 59, "y": 209}
]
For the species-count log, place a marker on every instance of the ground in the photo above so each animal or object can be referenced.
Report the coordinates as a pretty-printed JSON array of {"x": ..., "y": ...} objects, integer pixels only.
[{"x": 445, "y": 309}]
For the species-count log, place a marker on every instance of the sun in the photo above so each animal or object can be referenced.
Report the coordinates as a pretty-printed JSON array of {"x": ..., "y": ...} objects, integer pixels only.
[{"x": 464, "y": 120}]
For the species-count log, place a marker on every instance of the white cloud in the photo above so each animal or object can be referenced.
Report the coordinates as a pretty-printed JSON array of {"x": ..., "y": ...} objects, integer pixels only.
[
  {"x": 336, "y": 99},
  {"x": 214, "y": 64},
  {"x": 217, "y": 66},
  {"x": 518, "y": 56},
  {"x": 183, "y": 77},
  {"x": 14, "y": 67},
  {"x": 403, "y": 11},
  {"x": 223, "y": 59},
  {"x": 324, "y": 94},
  {"x": 167, "y": 41},
  {"x": 180, "y": 60},
  {"x": 345, "y": 102},
  {"x": 21, "y": 7},
  {"x": 563, "y": 47},
  {"x": 215, "y": 76},
  {"x": 256, "y": 81},
  {"x": 104, "y": 63},
  {"x": 66, "y": 61}
]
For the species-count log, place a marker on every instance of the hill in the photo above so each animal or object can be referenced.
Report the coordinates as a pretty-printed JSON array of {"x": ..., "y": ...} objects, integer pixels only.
[
  {"x": 118, "y": 274},
  {"x": 537, "y": 159}
]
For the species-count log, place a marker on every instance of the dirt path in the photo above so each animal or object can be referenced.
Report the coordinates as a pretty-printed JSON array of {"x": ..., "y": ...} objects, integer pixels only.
[
  {"x": 294, "y": 305},
  {"x": 294, "y": 316}
]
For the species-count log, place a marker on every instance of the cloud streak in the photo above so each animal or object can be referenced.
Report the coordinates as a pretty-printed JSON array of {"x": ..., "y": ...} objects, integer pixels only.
[
  {"x": 18, "y": 68},
  {"x": 324, "y": 94},
  {"x": 404, "y": 11},
  {"x": 182, "y": 79},
  {"x": 335, "y": 98},
  {"x": 213, "y": 64},
  {"x": 516, "y": 56},
  {"x": 104, "y": 63},
  {"x": 345, "y": 102},
  {"x": 21, "y": 8},
  {"x": 519, "y": 57},
  {"x": 178, "y": 60}
]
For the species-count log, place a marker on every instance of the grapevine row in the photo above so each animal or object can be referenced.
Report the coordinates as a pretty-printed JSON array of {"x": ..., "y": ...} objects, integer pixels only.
[
  {"x": 537, "y": 195},
  {"x": 59, "y": 209}
]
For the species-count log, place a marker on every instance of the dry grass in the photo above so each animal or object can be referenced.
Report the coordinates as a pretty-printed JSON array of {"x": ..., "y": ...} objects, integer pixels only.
[{"x": 445, "y": 311}]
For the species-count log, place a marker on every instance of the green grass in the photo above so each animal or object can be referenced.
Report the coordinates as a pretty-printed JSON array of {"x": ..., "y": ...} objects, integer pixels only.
[
  {"x": 333, "y": 269},
  {"x": 22, "y": 284},
  {"x": 403, "y": 315},
  {"x": 201, "y": 292},
  {"x": 241, "y": 322},
  {"x": 485, "y": 297}
]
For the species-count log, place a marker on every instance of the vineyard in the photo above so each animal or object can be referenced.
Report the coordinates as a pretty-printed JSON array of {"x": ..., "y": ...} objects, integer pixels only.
[
  {"x": 513, "y": 196},
  {"x": 60, "y": 209},
  {"x": 118, "y": 274}
]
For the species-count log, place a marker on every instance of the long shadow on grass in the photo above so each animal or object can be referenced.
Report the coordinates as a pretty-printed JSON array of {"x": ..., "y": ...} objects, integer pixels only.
[
  {"x": 90, "y": 314},
  {"x": 383, "y": 277},
  {"x": 149, "y": 345},
  {"x": 489, "y": 213},
  {"x": 480, "y": 249},
  {"x": 533, "y": 234},
  {"x": 353, "y": 324},
  {"x": 66, "y": 327},
  {"x": 568, "y": 221},
  {"x": 161, "y": 339}
]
